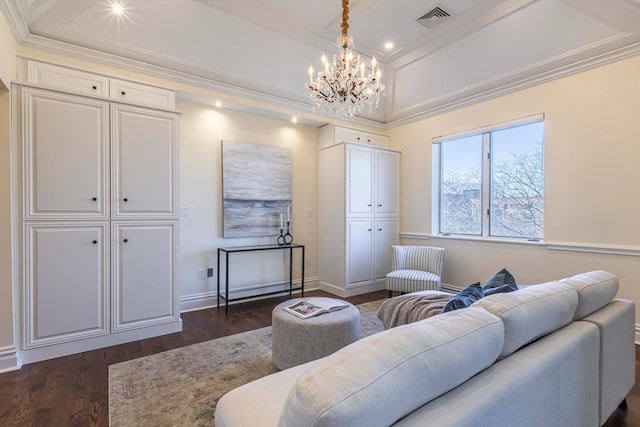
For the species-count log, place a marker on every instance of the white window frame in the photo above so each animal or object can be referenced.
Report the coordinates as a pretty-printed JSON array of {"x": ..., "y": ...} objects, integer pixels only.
[{"x": 436, "y": 167}]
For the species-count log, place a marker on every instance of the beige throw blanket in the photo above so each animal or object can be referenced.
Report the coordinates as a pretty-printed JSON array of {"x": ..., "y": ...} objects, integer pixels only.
[{"x": 412, "y": 307}]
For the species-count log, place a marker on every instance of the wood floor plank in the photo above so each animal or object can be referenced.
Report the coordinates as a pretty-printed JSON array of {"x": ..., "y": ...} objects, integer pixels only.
[{"x": 74, "y": 390}]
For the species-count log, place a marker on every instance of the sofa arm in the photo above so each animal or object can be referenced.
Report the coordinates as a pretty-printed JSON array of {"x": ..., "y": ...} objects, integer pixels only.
[{"x": 616, "y": 322}]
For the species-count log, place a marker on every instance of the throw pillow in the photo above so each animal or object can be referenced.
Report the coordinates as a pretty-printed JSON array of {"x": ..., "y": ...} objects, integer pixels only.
[
  {"x": 502, "y": 281},
  {"x": 464, "y": 298}
]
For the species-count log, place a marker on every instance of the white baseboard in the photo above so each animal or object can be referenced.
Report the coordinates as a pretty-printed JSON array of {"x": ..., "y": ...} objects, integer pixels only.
[
  {"x": 72, "y": 347},
  {"x": 345, "y": 293},
  {"x": 210, "y": 299},
  {"x": 9, "y": 359}
]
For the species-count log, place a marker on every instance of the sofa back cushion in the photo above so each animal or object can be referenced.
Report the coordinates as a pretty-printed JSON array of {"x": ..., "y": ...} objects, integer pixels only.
[
  {"x": 595, "y": 290},
  {"x": 531, "y": 313},
  {"x": 383, "y": 377}
]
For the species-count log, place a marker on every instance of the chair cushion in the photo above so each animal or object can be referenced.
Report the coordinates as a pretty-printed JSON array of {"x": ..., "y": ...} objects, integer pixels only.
[
  {"x": 595, "y": 290},
  {"x": 399, "y": 370},
  {"x": 412, "y": 280},
  {"x": 531, "y": 313}
]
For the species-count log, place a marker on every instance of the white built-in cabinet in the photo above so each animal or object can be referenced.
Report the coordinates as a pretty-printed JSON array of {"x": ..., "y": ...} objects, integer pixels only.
[
  {"x": 358, "y": 216},
  {"x": 332, "y": 135},
  {"x": 98, "y": 181}
]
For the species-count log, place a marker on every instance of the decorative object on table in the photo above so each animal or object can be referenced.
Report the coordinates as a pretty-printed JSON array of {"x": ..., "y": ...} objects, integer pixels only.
[
  {"x": 286, "y": 238},
  {"x": 315, "y": 306},
  {"x": 415, "y": 268},
  {"x": 256, "y": 188},
  {"x": 342, "y": 88}
]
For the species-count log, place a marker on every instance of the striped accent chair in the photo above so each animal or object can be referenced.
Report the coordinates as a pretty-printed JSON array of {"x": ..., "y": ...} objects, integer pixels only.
[{"x": 414, "y": 268}]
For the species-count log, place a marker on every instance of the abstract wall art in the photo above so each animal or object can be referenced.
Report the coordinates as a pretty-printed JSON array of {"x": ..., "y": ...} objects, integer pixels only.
[{"x": 256, "y": 189}]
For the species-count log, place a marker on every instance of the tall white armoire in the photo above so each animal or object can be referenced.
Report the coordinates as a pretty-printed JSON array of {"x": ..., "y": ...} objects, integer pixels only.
[
  {"x": 358, "y": 210},
  {"x": 98, "y": 224}
]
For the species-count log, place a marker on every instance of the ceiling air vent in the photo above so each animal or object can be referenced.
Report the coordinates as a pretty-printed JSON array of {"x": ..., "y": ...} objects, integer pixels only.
[{"x": 434, "y": 17}]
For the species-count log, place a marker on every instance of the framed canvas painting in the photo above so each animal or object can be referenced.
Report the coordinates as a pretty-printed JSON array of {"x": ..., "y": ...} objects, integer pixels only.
[{"x": 256, "y": 189}]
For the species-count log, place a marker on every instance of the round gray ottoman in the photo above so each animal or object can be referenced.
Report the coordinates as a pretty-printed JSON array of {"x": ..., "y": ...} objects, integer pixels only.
[{"x": 296, "y": 341}]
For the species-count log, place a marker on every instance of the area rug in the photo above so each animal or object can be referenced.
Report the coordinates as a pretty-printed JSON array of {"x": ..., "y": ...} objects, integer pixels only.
[{"x": 181, "y": 387}]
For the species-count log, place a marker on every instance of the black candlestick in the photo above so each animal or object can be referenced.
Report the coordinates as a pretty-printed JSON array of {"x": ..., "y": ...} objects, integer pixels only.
[{"x": 288, "y": 238}]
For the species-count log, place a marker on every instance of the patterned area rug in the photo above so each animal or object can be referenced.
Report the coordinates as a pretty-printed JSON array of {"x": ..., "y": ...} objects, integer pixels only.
[{"x": 181, "y": 387}]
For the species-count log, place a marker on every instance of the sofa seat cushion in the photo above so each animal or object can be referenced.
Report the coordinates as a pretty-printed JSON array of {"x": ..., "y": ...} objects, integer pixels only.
[
  {"x": 595, "y": 290},
  {"x": 531, "y": 313},
  {"x": 397, "y": 370}
]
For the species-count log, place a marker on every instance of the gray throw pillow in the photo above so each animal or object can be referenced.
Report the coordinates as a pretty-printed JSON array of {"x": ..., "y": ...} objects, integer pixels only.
[
  {"x": 502, "y": 281},
  {"x": 464, "y": 298}
]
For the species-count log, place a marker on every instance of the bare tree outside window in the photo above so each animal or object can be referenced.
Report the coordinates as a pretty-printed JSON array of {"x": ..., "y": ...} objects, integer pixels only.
[{"x": 515, "y": 183}]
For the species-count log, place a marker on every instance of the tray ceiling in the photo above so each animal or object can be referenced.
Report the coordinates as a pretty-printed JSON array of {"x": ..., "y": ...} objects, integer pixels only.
[{"x": 261, "y": 49}]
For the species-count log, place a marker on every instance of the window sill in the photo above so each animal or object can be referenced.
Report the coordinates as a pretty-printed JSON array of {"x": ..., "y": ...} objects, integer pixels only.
[{"x": 473, "y": 239}]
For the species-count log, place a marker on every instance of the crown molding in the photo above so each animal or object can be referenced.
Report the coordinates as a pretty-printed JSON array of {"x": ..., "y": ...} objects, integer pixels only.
[
  {"x": 13, "y": 15},
  {"x": 259, "y": 101},
  {"x": 505, "y": 85}
]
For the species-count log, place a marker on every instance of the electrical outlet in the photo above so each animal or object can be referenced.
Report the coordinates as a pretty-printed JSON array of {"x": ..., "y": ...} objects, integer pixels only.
[
  {"x": 185, "y": 212},
  {"x": 308, "y": 263},
  {"x": 209, "y": 272},
  {"x": 202, "y": 273}
]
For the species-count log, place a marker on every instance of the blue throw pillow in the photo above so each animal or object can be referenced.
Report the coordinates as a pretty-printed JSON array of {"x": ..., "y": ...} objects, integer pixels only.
[
  {"x": 464, "y": 298},
  {"x": 502, "y": 281}
]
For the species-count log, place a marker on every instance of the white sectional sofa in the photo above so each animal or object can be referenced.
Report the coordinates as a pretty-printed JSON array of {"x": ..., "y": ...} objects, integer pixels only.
[{"x": 559, "y": 354}]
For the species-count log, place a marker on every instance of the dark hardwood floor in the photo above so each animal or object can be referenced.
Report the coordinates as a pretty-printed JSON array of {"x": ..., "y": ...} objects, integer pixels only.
[{"x": 73, "y": 390}]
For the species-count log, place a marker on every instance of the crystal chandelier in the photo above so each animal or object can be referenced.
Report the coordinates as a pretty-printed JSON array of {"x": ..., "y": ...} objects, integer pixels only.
[{"x": 342, "y": 87}]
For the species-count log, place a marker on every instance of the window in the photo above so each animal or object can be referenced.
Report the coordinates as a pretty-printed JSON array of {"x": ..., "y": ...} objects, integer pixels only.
[{"x": 490, "y": 183}]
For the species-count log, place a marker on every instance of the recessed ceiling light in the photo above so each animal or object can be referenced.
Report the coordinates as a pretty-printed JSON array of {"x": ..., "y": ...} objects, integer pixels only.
[
  {"x": 294, "y": 119},
  {"x": 117, "y": 8},
  {"x": 388, "y": 45},
  {"x": 218, "y": 104}
]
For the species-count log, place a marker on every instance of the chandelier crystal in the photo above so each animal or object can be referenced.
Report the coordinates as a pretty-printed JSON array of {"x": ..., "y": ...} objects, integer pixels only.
[{"x": 342, "y": 88}]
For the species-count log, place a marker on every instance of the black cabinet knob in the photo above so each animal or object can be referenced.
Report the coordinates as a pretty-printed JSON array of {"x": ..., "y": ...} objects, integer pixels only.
[
  {"x": 95, "y": 199},
  {"x": 125, "y": 199},
  {"x": 123, "y": 93},
  {"x": 125, "y": 240},
  {"x": 94, "y": 242},
  {"x": 94, "y": 87}
]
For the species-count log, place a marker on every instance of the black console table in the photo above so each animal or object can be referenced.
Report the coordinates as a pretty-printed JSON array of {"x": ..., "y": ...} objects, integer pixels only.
[{"x": 267, "y": 290}]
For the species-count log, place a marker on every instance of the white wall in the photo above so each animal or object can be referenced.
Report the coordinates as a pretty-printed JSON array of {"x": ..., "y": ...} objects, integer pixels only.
[
  {"x": 7, "y": 73},
  {"x": 202, "y": 130},
  {"x": 592, "y": 180}
]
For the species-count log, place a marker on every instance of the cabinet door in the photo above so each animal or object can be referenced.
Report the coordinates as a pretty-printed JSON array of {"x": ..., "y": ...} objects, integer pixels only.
[
  {"x": 347, "y": 135},
  {"x": 360, "y": 162},
  {"x": 359, "y": 252},
  {"x": 144, "y": 163},
  {"x": 65, "y": 282},
  {"x": 144, "y": 274},
  {"x": 68, "y": 79},
  {"x": 387, "y": 183},
  {"x": 141, "y": 94},
  {"x": 65, "y": 156},
  {"x": 377, "y": 140},
  {"x": 386, "y": 235}
]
